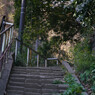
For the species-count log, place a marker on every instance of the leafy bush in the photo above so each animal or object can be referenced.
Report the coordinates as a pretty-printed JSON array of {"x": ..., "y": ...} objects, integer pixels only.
[
  {"x": 93, "y": 87},
  {"x": 88, "y": 77},
  {"x": 83, "y": 59},
  {"x": 84, "y": 63},
  {"x": 20, "y": 60},
  {"x": 74, "y": 87}
]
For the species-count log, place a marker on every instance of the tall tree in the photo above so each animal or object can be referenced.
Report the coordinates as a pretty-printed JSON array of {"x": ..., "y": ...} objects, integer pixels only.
[{"x": 65, "y": 17}]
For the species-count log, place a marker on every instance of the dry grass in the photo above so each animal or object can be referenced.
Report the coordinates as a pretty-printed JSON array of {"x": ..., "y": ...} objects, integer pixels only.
[{"x": 7, "y": 8}]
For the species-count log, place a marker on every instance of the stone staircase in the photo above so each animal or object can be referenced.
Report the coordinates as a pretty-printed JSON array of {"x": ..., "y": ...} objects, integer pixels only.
[{"x": 35, "y": 81}]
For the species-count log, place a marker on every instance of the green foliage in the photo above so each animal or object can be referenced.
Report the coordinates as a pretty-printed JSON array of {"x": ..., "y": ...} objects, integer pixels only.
[
  {"x": 69, "y": 79},
  {"x": 74, "y": 88},
  {"x": 17, "y": 6},
  {"x": 88, "y": 77},
  {"x": 63, "y": 17},
  {"x": 20, "y": 60},
  {"x": 85, "y": 76},
  {"x": 83, "y": 58},
  {"x": 45, "y": 49},
  {"x": 93, "y": 86},
  {"x": 33, "y": 60},
  {"x": 57, "y": 82},
  {"x": 52, "y": 14},
  {"x": 84, "y": 62},
  {"x": 47, "y": 15},
  {"x": 85, "y": 11}
]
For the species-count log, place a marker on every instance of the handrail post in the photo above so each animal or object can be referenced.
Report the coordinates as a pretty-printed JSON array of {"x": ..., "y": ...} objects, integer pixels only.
[
  {"x": 37, "y": 60},
  {"x": 3, "y": 45},
  {"x": 6, "y": 41},
  {"x": 16, "y": 50},
  {"x": 45, "y": 62},
  {"x": 0, "y": 74},
  {"x": 12, "y": 32},
  {"x": 57, "y": 62},
  {"x": 9, "y": 36},
  {"x": 6, "y": 38},
  {"x": 2, "y": 29},
  {"x": 6, "y": 58},
  {"x": 27, "y": 56}
]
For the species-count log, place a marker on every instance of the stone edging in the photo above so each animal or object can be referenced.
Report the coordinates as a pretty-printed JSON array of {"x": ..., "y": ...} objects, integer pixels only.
[
  {"x": 71, "y": 71},
  {"x": 5, "y": 75}
]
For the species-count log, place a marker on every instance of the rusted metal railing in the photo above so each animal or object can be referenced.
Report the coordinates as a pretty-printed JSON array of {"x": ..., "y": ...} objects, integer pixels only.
[
  {"x": 37, "y": 53},
  {"x": 6, "y": 37}
]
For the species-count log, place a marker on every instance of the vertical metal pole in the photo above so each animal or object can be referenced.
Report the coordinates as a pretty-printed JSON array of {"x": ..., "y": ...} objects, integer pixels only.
[
  {"x": 22, "y": 20},
  {"x": 16, "y": 50},
  {"x": 6, "y": 38},
  {"x": 37, "y": 60},
  {"x": 27, "y": 56},
  {"x": 0, "y": 74},
  {"x": 45, "y": 63},
  {"x": 6, "y": 58},
  {"x": 3, "y": 44},
  {"x": 36, "y": 46},
  {"x": 12, "y": 32},
  {"x": 57, "y": 62},
  {"x": 9, "y": 36},
  {"x": 2, "y": 29}
]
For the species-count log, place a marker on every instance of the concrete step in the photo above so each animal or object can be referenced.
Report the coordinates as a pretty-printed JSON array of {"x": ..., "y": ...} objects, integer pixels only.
[
  {"x": 36, "y": 88},
  {"x": 28, "y": 91},
  {"x": 17, "y": 79},
  {"x": 35, "y": 81},
  {"x": 43, "y": 81},
  {"x": 36, "y": 85},
  {"x": 38, "y": 72},
  {"x": 43, "y": 68},
  {"x": 36, "y": 76},
  {"x": 51, "y": 94},
  {"x": 40, "y": 90},
  {"x": 52, "y": 91},
  {"x": 14, "y": 92},
  {"x": 29, "y": 80},
  {"x": 31, "y": 93}
]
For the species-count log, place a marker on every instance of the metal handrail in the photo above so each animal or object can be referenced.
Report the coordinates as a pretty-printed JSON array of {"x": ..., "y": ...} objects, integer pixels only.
[
  {"x": 38, "y": 54},
  {"x": 5, "y": 51},
  {"x": 58, "y": 61},
  {"x": 30, "y": 48},
  {"x": 7, "y": 36},
  {"x": 6, "y": 30}
]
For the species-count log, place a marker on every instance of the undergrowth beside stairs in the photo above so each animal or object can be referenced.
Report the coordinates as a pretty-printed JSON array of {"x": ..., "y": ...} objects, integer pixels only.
[
  {"x": 84, "y": 63},
  {"x": 74, "y": 88}
]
